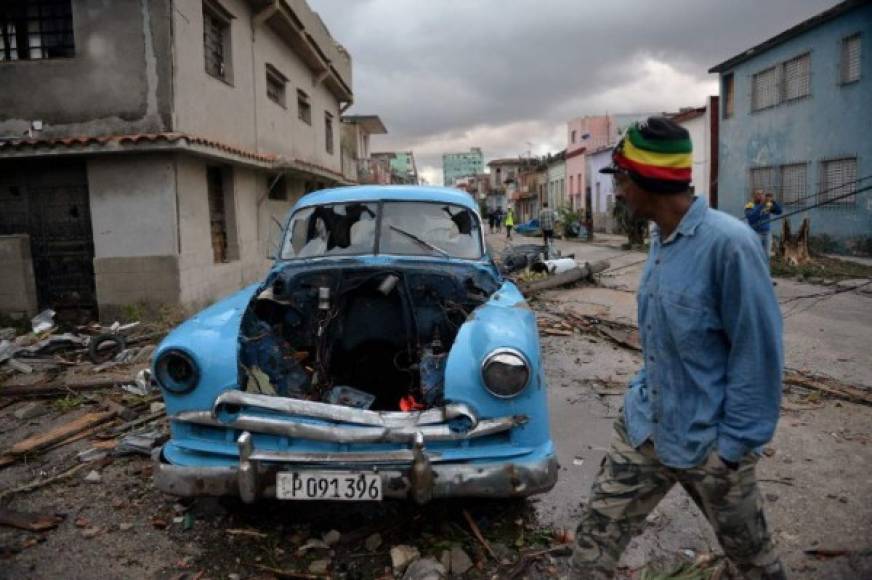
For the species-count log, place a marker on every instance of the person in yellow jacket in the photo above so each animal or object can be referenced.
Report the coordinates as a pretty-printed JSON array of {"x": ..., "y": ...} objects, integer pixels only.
[{"x": 510, "y": 222}]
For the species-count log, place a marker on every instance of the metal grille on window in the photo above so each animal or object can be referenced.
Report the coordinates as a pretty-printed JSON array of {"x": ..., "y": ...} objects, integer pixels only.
[
  {"x": 304, "y": 109},
  {"x": 764, "y": 178},
  {"x": 851, "y": 48},
  {"x": 36, "y": 29},
  {"x": 797, "y": 77},
  {"x": 213, "y": 41},
  {"x": 839, "y": 178},
  {"x": 764, "y": 89},
  {"x": 275, "y": 87},
  {"x": 793, "y": 183},
  {"x": 217, "y": 219},
  {"x": 328, "y": 132}
]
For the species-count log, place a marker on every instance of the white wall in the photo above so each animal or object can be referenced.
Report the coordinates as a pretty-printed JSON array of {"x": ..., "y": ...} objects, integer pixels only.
[
  {"x": 133, "y": 205},
  {"x": 699, "y": 137}
]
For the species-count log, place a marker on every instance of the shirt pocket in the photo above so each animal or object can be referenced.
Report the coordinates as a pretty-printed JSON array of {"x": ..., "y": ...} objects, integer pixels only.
[{"x": 690, "y": 319}]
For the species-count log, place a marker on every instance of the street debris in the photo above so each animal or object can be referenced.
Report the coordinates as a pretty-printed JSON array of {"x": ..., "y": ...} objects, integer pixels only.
[
  {"x": 828, "y": 386},
  {"x": 403, "y": 555},
  {"x": 620, "y": 333},
  {"x": 564, "y": 278},
  {"x": 93, "y": 477},
  {"x": 142, "y": 442},
  {"x": 42, "y": 322},
  {"x": 32, "y": 522},
  {"x": 478, "y": 535},
  {"x": 426, "y": 569}
]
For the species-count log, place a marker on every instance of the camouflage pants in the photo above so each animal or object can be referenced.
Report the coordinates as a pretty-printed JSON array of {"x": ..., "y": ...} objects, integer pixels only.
[{"x": 631, "y": 482}]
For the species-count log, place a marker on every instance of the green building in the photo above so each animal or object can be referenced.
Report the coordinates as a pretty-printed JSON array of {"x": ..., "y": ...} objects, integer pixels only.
[{"x": 458, "y": 165}]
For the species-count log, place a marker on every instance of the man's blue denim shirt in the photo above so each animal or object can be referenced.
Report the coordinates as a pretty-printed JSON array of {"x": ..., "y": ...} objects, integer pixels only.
[{"x": 711, "y": 339}]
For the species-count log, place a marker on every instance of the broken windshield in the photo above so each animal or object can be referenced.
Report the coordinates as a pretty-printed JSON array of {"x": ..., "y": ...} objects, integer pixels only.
[{"x": 407, "y": 228}]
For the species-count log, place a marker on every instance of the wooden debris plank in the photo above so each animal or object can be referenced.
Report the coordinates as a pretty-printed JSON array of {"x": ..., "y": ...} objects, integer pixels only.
[
  {"x": 31, "y": 522},
  {"x": 61, "y": 432}
]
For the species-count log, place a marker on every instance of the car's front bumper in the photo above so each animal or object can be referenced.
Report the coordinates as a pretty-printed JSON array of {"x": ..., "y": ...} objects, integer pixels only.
[{"x": 420, "y": 480}]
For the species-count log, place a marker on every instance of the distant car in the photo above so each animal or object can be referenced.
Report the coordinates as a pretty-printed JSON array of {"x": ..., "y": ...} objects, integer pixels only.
[
  {"x": 383, "y": 356},
  {"x": 530, "y": 228}
]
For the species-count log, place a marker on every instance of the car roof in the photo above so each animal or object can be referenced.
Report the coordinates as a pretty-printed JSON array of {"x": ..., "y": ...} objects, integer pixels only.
[{"x": 387, "y": 193}]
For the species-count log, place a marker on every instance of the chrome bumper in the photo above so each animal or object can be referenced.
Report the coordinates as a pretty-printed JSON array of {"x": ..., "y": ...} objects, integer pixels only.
[{"x": 404, "y": 473}]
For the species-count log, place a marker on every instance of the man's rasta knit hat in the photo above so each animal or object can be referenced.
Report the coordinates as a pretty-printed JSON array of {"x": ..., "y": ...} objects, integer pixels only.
[{"x": 657, "y": 155}]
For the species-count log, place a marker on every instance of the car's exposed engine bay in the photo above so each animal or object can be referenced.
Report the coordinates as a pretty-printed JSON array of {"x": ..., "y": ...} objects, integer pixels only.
[{"x": 371, "y": 338}]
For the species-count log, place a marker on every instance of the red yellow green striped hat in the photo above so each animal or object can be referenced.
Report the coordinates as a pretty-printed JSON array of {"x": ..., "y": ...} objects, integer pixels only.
[{"x": 657, "y": 154}]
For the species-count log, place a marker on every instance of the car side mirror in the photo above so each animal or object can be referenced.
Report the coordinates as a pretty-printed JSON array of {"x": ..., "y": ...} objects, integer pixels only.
[{"x": 274, "y": 241}]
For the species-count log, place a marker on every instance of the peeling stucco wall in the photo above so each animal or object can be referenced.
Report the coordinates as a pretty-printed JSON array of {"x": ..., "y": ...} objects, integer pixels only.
[{"x": 118, "y": 81}]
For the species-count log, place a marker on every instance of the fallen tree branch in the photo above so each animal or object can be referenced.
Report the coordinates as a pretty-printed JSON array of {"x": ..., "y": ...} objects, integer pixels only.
[
  {"x": 44, "y": 482},
  {"x": 478, "y": 535},
  {"x": 832, "y": 387},
  {"x": 279, "y": 573},
  {"x": 40, "y": 441}
]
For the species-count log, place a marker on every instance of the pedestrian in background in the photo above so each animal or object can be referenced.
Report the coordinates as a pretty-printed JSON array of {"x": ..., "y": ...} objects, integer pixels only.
[
  {"x": 758, "y": 212},
  {"x": 499, "y": 219},
  {"x": 492, "y": 218},
  {"x": 547, "y": 219},
  {"x": 708, "y": 395},
  {"x": 510, "y": 223}
]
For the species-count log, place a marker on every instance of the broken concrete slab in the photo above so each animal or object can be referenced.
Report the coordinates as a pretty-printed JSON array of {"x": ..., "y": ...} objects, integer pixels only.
[
  {"x": 426, "y": 569},
  {"x": 403, "y": 555},
  {"x": 460, "y": 561},
  {"x": 29, "y": 411}
]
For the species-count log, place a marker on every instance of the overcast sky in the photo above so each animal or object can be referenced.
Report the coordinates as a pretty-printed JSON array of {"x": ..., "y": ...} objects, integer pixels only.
[{"x": 506, "y": 75}]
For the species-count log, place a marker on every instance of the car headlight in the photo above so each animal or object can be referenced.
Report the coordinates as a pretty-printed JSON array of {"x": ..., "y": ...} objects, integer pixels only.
[
  {"x": 505, "y": 372},
  {"x": 176, "y": 371}
]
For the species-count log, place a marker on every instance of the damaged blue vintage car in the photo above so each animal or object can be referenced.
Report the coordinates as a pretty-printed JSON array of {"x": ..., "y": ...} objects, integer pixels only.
[{"x": 383, "y": 356}]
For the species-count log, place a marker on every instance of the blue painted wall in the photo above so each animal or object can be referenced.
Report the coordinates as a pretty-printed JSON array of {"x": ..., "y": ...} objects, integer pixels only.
[{"x": 834, "y": 121}]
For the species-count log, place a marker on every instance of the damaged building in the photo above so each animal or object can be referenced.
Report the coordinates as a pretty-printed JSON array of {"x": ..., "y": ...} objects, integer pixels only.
[{"x": 149, "y": 147}]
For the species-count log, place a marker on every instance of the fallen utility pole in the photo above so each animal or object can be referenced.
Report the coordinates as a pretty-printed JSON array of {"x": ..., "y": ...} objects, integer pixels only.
[{"x": 585, "y": 272}]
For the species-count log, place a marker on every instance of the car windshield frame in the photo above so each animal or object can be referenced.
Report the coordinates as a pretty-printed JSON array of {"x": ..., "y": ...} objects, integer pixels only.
[{"x": 476, "y": 232}]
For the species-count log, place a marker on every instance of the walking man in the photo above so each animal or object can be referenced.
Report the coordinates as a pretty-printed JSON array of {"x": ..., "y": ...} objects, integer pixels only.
[
  {"x": 758, "y": 212},
  {"x": 707, "y": 396},
  {"x": 547, "y": 219},
  {"x": 510, "y": 223}
]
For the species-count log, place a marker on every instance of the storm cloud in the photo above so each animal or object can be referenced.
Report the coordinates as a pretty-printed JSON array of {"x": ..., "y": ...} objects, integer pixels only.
[{"x": 505, "y": 75}]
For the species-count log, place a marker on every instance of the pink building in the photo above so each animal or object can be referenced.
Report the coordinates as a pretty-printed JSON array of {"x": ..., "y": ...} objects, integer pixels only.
[{"x": 585, "y": 134}]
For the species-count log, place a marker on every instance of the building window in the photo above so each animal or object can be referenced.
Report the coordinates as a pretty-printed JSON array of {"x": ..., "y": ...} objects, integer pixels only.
[
  {"x": 729, "y": 96},
  {"x": 571, "y": 184},
  {"x": 797, "y": 77},
  {"x": 216, "y": 41},
  {"x": 328, "y": 132},
  {"x": 764, "y": 89},
  {"x": 277, "y": 187},
  {"x": 219, "y": 181},
  {"x": 763, "y": 178},
  {"x": 793, "y": 184},
  {"x": 36, "y": 29},
  {"x": 838, "y": 179},
  {"x": 572, "y": 136},
  {"x": 275, "y": 85},
  {"x": 850, "y": 67},
  {"x": 304, "y": 109}
]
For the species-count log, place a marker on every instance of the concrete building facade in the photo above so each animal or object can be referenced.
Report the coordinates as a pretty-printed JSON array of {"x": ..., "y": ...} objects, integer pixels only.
[
  {"x": 146, "y": 150},
  {"x": 602, "y": 187},
  {"x": 458, "y": 165},
  {"x": 400, "y": 165},
  {"x": 556, "y": 175},
  {"x": 357, "y": 165},
  {"x": 794, "y": 119}
]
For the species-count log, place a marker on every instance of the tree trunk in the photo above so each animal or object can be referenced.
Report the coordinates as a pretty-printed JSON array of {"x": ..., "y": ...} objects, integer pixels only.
[{"x": 794, "y": 249}]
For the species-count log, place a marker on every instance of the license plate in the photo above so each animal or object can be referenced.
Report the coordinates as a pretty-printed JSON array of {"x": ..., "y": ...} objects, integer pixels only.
[{"x": 331, "y": 485}]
